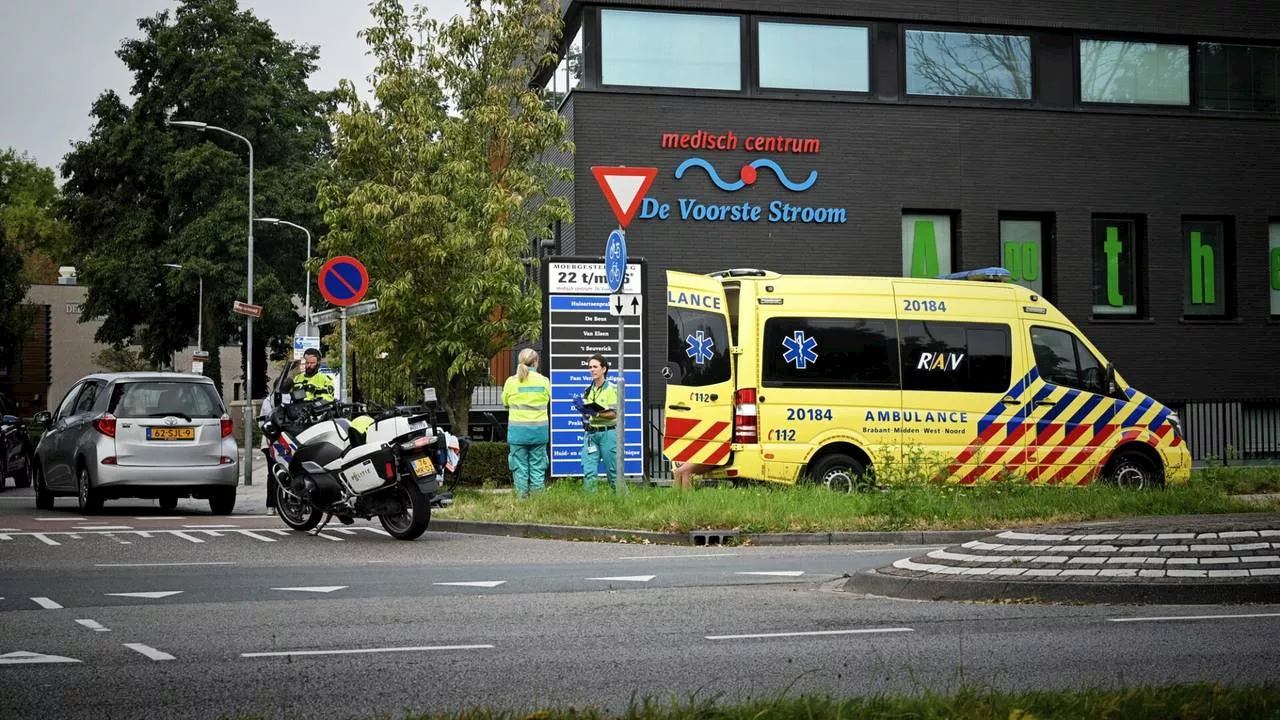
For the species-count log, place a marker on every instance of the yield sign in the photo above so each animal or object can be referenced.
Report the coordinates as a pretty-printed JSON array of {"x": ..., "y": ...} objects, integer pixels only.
[{"x": 624, "y": 187}]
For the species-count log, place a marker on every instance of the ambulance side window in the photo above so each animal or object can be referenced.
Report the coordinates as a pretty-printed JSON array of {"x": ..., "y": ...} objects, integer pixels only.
[
  {"x": 697, "y": 347},
  {"x": 830, "y": 352},
  {"x": 956, "y": 356},
  {"x": 1063, "y": 360}
]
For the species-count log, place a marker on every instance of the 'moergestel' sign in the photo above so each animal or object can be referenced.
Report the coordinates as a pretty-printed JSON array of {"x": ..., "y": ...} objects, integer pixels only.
[{"x": 782, "y": 209}]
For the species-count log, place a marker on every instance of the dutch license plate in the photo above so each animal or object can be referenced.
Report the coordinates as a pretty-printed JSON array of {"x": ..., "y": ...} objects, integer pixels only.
[
  {"x": 422, "y": 467},
  {"x": 171, "y": 433}
]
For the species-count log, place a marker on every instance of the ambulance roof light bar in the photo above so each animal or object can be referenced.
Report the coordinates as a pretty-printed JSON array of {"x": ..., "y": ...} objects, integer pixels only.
[{"x": 987, "y": 274}]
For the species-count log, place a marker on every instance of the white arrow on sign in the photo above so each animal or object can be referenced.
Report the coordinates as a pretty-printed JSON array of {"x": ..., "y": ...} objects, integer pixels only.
[
  {"x": 624, "y": 305},
  {"x": 628, "y": 578},
  {"x": 148, "y": 595},
  {"x": 476, "y": 583},
  {"x": 318, "y": 589},
  {"x": 22, "y": 657}
]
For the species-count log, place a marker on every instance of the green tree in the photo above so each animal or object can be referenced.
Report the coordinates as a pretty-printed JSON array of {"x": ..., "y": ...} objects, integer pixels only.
[
  {"x": 140, "y": 194},
  {"x": 440, "y": 186}
]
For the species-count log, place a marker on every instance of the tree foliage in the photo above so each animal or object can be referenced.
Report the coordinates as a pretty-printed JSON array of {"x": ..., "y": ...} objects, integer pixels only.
[
  {"x": 141, "y": 194},
  {"x": 440, "y": 186}
]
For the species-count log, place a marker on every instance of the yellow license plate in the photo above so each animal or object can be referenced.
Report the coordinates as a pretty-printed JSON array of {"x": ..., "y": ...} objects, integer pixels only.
[
  {"x": 423, "y": 467},
  {"x": 171, "y": 433}
]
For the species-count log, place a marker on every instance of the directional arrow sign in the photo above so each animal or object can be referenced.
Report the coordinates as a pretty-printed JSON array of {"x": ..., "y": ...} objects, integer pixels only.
[
  {"x": 624, "y": 188},
  {"x": 628, "y": 578},
  {"x": 476, "y": 583},
  {"x": 624, "y": 305},
  {"x": 22, "y": 657},
  {"x": 148, "y": 595},
  {"x": 318, "y": 589}
]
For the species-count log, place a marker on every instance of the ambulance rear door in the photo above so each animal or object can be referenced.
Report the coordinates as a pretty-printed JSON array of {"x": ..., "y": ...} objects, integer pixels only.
[{"x": 699, "y": 404}]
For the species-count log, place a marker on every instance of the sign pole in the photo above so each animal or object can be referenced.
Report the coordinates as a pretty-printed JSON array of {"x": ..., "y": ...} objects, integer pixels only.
[
  {"x": 346, "y": 376},
  {"x": 621, "y": 449}
]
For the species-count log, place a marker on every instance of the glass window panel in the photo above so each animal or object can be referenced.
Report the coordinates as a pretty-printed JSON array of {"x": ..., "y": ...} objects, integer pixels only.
[
  {"x": 830, "y": 352},
  {"x": 1241, "y": 78},
  {"x": 675, "y": 50},
  {"x": 814, "y": 57},
  {"x": 926, "y": 245},
  {"x": 1273, "y": 264},
  {"x": 955, "y": 357},
  {"x": 1205, "y": 278},
  {"x": 1135, "y": 72},
  {"x": 1022, "y": 252},
  {"x": 1115, "y": 267},
  {"x": 968, "y": 64}
]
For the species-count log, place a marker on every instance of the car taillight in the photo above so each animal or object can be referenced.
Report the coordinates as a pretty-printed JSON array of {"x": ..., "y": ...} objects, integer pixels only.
[
  {"x": 109, "y": 460},
  {"x": 106, "y": 425},
  {"x": 226, "y": 426},
  {"x": 744, "y": 416},
  {"x": 224, "y": 460}
]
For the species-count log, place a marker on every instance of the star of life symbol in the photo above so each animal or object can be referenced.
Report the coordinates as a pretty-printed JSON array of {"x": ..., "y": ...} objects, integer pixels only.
[
  {"x": 800, "y": 350},
  {"x": 699, "y": 347}
]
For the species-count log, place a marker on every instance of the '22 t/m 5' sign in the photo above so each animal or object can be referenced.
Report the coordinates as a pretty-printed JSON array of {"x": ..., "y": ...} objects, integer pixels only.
[{"x": 589, "y": 278}]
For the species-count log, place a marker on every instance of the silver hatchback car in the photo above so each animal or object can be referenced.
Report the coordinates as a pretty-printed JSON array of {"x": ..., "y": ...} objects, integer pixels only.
[{"x": 138, "y": 434}]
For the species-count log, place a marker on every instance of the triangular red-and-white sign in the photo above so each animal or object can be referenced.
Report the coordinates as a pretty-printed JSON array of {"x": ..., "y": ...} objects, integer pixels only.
[{"x": 624, "y": 188}]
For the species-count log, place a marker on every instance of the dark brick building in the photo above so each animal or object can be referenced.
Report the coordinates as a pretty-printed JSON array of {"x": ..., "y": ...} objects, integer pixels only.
[{"x": 1124, "y": 158}]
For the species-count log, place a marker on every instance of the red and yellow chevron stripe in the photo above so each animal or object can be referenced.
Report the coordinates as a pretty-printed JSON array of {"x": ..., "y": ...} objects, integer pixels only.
[{"x": 700, "y": 441}]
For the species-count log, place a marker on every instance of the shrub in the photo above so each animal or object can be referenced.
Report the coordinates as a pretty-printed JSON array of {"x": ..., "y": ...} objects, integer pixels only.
[
  {"x": 486, "y": 463},
  {"x": 1237, "y": 479}
]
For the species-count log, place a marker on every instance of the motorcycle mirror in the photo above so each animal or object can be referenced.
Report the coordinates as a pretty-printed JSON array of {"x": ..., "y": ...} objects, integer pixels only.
[{"x": 428, "y": 395}]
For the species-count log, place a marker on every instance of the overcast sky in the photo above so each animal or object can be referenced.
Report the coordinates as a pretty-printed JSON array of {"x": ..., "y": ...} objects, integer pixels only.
[{"x": 57, "y": 56}]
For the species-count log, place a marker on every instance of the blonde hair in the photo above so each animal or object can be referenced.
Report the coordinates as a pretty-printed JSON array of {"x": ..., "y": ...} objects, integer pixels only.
[{"x": 528, "y": 358}]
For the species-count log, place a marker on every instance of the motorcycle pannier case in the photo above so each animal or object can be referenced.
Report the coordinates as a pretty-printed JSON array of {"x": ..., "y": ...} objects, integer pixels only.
[{"x": 369, "y": 471}]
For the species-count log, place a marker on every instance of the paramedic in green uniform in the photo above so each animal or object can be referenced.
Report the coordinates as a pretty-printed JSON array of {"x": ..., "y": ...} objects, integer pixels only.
[
  {"x": 527, "y": 395},
  {"x": 600, "y": 428}
]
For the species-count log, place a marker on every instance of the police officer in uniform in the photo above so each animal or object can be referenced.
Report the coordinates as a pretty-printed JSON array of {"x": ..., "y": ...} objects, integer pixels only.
[{"x": 318, "y": 385}]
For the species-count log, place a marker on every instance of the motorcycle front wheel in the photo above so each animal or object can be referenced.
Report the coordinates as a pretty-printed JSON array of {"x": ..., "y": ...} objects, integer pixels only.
[
  {"x": 294, "y": 511},
  {"x": 412, "y": 520}
]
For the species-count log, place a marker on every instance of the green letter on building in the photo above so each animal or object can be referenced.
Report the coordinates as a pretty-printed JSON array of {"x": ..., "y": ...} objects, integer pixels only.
[
  {"x": 1275, "y": 268},
  {"x": 1202, "y": 290},
  {"x": 924, "y": 251},
  {"x": 1113, "y": 248}
]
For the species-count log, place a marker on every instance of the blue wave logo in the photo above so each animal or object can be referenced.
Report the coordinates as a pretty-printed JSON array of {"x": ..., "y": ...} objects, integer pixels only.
[{"x": 748, "y": 175}]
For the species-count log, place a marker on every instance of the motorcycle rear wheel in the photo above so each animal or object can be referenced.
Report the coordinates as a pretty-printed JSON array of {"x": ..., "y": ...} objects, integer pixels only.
[
  {"x": 412, "y": 521},
  {"x": 297, "y": 513}
]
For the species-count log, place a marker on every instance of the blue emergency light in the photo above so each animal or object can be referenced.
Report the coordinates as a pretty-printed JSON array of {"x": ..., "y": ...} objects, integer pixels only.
[{"x": 988, "y": 274}]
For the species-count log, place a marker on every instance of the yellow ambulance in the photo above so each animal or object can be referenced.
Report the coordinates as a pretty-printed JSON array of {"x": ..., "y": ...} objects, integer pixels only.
[{"x": 836, "y": 379}]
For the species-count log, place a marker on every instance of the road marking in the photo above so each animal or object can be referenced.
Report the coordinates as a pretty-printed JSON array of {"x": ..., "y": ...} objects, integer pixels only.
[
  {"x": 119, "y": 540},
  {"x": 1175, "y": 618},
  {"x": 211, "y": 527},
  {"x": 184, "y": 536},
  {"x": 22, "y": 657},
  {"x": 102, "y": 527},
  {"x": 63, "y": 519},
  {"x": 329, "y": 537},
  {"x": 94, "y": 625},
  {"x": 628, "y": 578},
  {"x": 316, "y": 589},
  {"x": 10, "y": 529},
  {"x": 475, "y": 583},
  {"x": 162, "y": 517},
  {"x": 288, "y": 653},
  {"x": 46, "y": 540},
  {"x": 5, "y": 537},
  {"x": 46, "y": 603},
  {"x": 777, "y": 573},
  {"x": 149, "y": 651},
  {"x": 256, "y": 536},
  {"x": 810, "y": 633},
  {"x": 667, "y": 557},
  {"x": 147, "y": 595},
  {"x": 160, "y": 564}
]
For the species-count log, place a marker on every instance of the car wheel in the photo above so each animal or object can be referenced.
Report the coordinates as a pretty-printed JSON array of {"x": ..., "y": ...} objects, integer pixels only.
[
  {"x": 223, "y": 501},
  {"x": 1133, "y": 471},
  {"x": 840, "y": 473},
  {"x": 88, "y": 499},
  {"x": 168, "y": 502},
  {"x": 44, "y": 498}
]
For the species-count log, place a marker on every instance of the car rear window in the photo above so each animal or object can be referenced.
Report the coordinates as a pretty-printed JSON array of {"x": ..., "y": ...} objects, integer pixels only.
[{"x": 162, "y": 398}]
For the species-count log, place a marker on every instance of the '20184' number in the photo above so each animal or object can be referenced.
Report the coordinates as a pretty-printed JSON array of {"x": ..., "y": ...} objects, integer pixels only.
[
  {"x": 808, "y": 414},
  {"x": 924, "y": 305}
]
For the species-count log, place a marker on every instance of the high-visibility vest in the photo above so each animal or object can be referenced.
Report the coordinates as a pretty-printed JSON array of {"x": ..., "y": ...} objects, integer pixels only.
[
  {"x": 318, "y": 386},
  {"x": 527, "y": 401},
  {"x": 605, "y": 396}
]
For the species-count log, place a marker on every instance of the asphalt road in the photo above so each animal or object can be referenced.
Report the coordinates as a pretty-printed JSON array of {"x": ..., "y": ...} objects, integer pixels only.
[{"x": 114, "y": 621}]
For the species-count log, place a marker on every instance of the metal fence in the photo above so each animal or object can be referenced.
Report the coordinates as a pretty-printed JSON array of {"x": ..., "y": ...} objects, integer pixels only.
[{"x": 1230, "y": 431}]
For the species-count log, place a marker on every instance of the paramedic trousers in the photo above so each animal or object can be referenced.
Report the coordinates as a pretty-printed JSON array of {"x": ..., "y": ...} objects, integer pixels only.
[
  {"x": 528, "y": 463},
  {"x": 597, "y": 446}
]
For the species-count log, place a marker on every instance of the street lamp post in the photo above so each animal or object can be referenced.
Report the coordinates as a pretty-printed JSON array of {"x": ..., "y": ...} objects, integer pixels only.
[
  {"x": 278, "y": 221},
  {"x": 248, "y": 332},
  {"x": 199, "y": 308}
]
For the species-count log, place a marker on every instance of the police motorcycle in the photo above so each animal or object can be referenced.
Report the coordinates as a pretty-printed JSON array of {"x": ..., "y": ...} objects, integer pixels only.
[{"x": 388, "y": 464}]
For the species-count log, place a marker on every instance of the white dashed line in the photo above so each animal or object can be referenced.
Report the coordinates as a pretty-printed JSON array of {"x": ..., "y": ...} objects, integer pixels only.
[
  {"x": 1176, "y": 618},
  {"x": 63, "y": 519},
  {"x": 671, "y": 557},
  {"x": 811, "y": 633},
  {"x": 475, "y": 583},
  {"x": 94, "y": 625},
  {"x": 289, "y": 653},
  {"x": 102, "y": 527},
  {"x": 256, "y": 536},
  {"x": 160, "y": 564},
  {"x": 149, "y": 651},
  {"x": 46, "y": 603},
  {"x": 776, "y": 573},
  {"x": 44, "y": 539},
  {"x": 162, "y": 517},
  {"x": 627, "y": 578},
  {"x": 185, "y": 536},
  {"x": 210, "y": 527}
]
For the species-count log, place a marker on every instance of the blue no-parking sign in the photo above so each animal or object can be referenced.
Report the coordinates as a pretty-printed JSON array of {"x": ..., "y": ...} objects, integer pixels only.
[{"x": 343, "y": 281}]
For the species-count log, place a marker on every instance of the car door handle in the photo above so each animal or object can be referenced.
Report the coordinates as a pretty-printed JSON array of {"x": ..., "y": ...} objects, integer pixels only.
[
  {"x": 683, "y": 408},
  {"x": 1045, "y": 403},
  {"x": 1008, "y": 400}
]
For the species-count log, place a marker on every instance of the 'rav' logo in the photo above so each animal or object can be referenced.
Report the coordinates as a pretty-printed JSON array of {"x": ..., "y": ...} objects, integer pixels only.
[{"x": 940, "y": 361}]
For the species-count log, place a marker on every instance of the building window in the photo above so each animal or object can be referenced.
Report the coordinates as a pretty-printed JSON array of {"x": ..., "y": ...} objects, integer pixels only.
[
  {"x": 1134, "y": 72},
  {"x": 1209, "y": 267},
  {"x": 568, "y": 74},
  {"x": 1024, "y": 250},
  {"x": 1116, "y": 267},
  {"x": 955, "y": 357},
  {"x": 1063, "y": 360},
  {"x": 968, "y": 64},
  {"x": 1273, "y": 265},
  {"x": 830, "y": 352},
  {"x": 673, "y": 50},
  {"x": 926, "y": 245},
  {"x": 814, "y": 57},
  {"x": 1243, "y": 78}
]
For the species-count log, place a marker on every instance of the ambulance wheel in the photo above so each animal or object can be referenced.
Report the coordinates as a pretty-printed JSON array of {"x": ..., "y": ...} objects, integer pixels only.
[
  {"x": 1133, "y": 470},
  {"x": 840, "y": 473}
]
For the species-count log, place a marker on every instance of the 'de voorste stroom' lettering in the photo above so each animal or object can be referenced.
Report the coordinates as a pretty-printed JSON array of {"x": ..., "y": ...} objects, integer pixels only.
[{"x": 777, "y": 211}]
